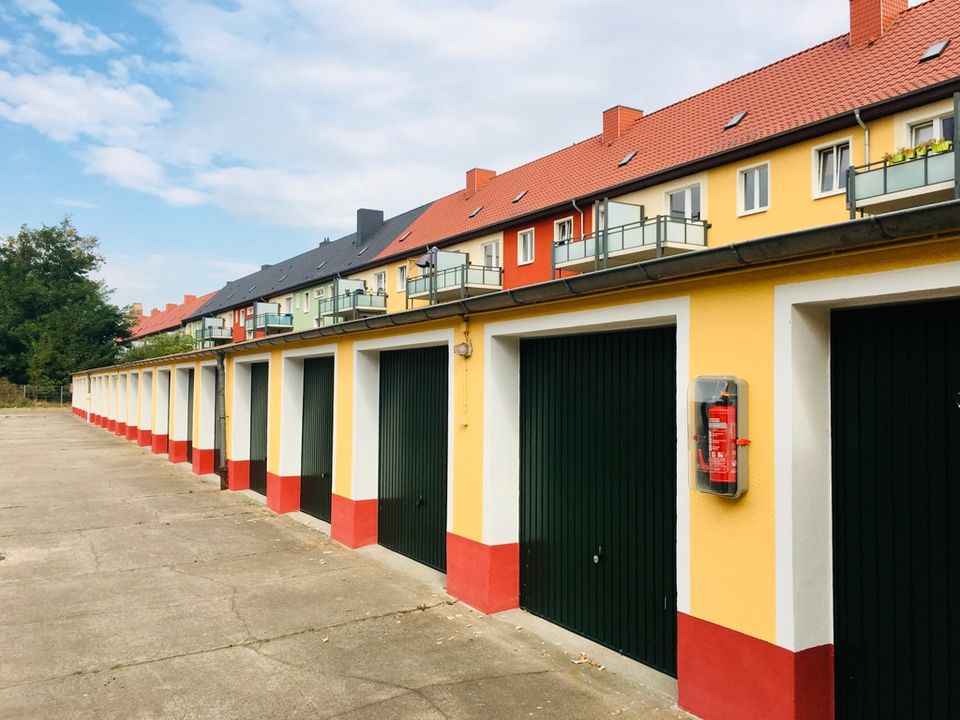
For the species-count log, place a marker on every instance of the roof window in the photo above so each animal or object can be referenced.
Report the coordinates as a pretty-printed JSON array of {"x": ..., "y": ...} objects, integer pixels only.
[
  {"x": 935, "y": 50},
  {"x": 735, "y": 120},
  {"x": 282, "y": 278},
  {"x": 405, "y": 236},
  {"x": 476, "y": 211},
  {"x": 321, "y": 264},
  {"x": 519, "y": 197},
  {"x": 627, "y": 158},
  {"x": 362, "y": 251}
]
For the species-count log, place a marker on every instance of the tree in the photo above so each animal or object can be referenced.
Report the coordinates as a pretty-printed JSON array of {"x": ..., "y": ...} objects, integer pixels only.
[
  {"x": 55, "y": 318},
  {"x": 158, "y": 346}
]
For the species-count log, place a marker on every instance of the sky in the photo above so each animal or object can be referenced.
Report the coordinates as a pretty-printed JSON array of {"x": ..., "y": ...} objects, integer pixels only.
[{"x": 200, "y": 140}]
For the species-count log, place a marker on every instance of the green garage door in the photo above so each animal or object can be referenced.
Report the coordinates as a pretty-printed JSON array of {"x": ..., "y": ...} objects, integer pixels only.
[
  {"x": 896, "y": 510},
  {"x": 190, "y": 388},
  {"x": 598, "y": 488},
  {"x": 412, "y": 508},
  {"x": 259, "y": 380},
  {"x": 316, "y": 458}
]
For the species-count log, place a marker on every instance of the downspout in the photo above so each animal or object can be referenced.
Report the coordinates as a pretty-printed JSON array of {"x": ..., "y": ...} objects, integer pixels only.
[
  {"x": 220, "y": 431},
  {"x": 866, "y": 136}
]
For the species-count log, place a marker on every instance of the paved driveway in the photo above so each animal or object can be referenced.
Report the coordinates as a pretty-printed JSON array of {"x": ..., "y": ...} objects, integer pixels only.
[{"x": 130, "y": 588}]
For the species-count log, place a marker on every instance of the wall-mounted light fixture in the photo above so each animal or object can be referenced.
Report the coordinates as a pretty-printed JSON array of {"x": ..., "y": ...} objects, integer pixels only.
[{"x": 464, "y": 349}]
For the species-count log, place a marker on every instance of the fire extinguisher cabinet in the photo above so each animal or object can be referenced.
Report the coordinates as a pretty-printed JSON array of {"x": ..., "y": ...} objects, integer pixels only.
[{"x": 718, "y": 435}]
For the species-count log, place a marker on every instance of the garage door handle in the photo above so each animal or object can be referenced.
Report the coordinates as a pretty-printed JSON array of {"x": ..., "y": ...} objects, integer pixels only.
[
  {"x": 419, "y": 500},
  {"x": 598, "y": 555}
]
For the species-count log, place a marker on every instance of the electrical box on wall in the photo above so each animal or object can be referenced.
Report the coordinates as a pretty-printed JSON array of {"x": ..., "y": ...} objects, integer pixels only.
[{"x": 718, "y": 434}]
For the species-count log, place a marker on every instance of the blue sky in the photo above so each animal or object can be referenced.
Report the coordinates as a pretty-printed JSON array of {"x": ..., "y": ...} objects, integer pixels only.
[{"x": 199, "y": 140}]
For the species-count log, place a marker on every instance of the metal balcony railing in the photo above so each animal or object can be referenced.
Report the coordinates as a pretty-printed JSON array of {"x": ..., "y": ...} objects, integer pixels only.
[
  {"x": 213, "y": 333},
  {"x": 873, "y": 181},
  {"x": 458, "y": 278},
  {"x": 650, "y": 234},
  {"x": 350, "y": 302},
  {"x": 269, "y": 320}
]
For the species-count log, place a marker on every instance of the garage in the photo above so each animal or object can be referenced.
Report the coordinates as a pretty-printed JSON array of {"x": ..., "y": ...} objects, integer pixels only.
[
  {"x": 598, "y": 488},
  {"x": 191, "y": 384},
  {"x": 895, "y": 388},
  {"x": 412, "y": 478},
  {"x": 316, "y": 461},
  {"x": 259, "y": 380}
]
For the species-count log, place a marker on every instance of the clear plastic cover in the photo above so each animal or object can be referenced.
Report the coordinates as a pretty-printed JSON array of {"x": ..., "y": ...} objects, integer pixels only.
[{"x": 718, "y": 435}]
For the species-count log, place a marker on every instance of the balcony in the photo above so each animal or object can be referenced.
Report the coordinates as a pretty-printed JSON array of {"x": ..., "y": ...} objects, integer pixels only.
[
  {"x": 455, "y": 283},
  {"x": 270, "y": 324},
  {"x": 633, "y": 242},
  {"x": 349, "y": 306},
  {"x": 213, "y": 335},
  {"x": 884, "y": 186}
]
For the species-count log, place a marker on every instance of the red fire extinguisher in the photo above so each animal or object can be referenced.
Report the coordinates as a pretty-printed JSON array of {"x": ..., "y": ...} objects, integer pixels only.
[{"x": 721, "y": 466}]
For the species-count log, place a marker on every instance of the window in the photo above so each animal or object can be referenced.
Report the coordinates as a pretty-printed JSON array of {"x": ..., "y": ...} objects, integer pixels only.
[
  {"x": 380, "y": 281},
  {"x": 832, "y": 164},
  {"x": 288, "y": 305},
  {"x": 563, "y": 230},
  {"x": 525, "y": 247},
  {"x": 754, "y": 189},
  {"x": 402, "y": 278},
  {"x": 491, "y": 254},
  {"x": 306, "y": 301},
  {"x": 685, "y": 203},
  {"x": 940, "y": 128}
]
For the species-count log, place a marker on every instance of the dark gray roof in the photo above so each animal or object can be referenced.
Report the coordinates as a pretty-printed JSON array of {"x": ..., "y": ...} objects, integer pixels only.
[{"x": 312, "y": 267}]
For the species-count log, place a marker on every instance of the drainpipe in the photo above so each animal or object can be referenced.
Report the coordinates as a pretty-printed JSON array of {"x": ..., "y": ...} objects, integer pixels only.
[
  {"x": 220, "y": 431},
  {"x": 866, "y": 136}
]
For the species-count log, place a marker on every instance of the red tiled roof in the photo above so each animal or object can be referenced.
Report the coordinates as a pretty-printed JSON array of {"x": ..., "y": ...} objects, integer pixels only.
[
  {"x": 825, "y": 81},
  {"x": 162, "y": 320}
]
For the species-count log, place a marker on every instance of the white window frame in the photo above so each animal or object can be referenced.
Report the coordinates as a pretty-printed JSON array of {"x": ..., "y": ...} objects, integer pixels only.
[
  {"x": 556, "y": 228},
  {"x": 533, "y": 246},
  {"x": 288, "y": 305},
  {"x": 306, "y": 301},
  {"x": 741, "y": 172},
  {"x": 494, "y": 244},
  {"x": 380, "y": 281},
  {"x": 684, "y": 189},
  {"x": 912, "y": 127},
  {"x": 905, "y": 122},
  {"x": 401, "y": 278},
  {"x": 816, "y": 194}
]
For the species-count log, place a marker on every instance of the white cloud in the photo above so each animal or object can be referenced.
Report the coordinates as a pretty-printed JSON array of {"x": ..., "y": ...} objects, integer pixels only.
[
  {"x": 137, "y": 171},
  {"x": 5, "y": 46},
  {"x": 65, "y": 105},
  {"x": 71, "y": 38},
  {"x": 75, "y": 202}
]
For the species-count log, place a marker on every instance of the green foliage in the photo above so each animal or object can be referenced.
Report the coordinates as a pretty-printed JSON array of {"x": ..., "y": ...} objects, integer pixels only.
[
  {"x": 158, "y": 346},
  {"x": 54, "y": 318}
]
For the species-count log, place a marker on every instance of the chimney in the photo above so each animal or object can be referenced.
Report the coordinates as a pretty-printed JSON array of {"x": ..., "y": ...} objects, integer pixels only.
[
  {"x": 189, "y": 299},
  {"x": 136, "y": 309},
  {"x": 170, "y": 306},
  {"x": 869, "y": 19},
  {"x": 264, "y": 267},
  {"x": 617, "y": 120},
  {"x": 477, "y": 178},
  {"x": 154, "y": 312},
  {"x": 368, "y": 222}
]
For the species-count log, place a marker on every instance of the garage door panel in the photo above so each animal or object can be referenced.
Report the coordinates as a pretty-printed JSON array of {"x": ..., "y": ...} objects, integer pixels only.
[
  {"x": 316, "y": 463},
  {"x": 412, "y": 508},
  {"x": 598, "y": 458},
  {"x": 259, "y": 380},
  {"x": 895, "y": 375}
]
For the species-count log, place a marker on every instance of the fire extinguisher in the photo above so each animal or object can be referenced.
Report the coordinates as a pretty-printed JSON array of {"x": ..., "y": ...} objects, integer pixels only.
[{"x": 720, "y": 465}]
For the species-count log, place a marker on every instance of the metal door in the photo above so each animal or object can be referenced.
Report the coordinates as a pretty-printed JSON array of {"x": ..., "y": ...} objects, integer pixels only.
[
  {"x": 598, "y": 488},
  {"x": 259, "y": 382},
  {"x": 316, "y": 457},
  {"x": 895, "y": 386},
  {"x": 190, "y": 386},
  {"x": 412, "y": 509}
]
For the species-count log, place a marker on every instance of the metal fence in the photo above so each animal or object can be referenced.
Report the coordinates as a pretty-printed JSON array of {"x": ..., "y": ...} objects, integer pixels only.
[{"x": 56, "y": 394}]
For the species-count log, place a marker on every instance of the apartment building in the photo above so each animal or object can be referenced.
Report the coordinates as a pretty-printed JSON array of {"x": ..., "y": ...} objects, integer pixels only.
[{"x": 687, "y": 388}]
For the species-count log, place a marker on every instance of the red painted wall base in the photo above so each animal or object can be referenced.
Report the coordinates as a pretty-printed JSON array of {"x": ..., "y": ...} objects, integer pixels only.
[
  {"x": 723, "y": 674},
  {"x": 158, "y": 444},
  {"x": 121, "y": 429},
  {"x": 131, "y": 432},
  {"x": 283, "y": 493},
  {"x": 353, "y": 522},
  {"x": 486, "y": 577},
  {"x": 111, "y": 425},
  {"x": 203, "y": 461},
  {"x": 143, "y": 438},
  {"x": 177, "y": 451},
  {"x": 238, "y": 474}
]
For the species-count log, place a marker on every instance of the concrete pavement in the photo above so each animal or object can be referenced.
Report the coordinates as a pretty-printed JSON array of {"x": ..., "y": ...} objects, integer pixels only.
[{"x": 131, "y": 588}]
